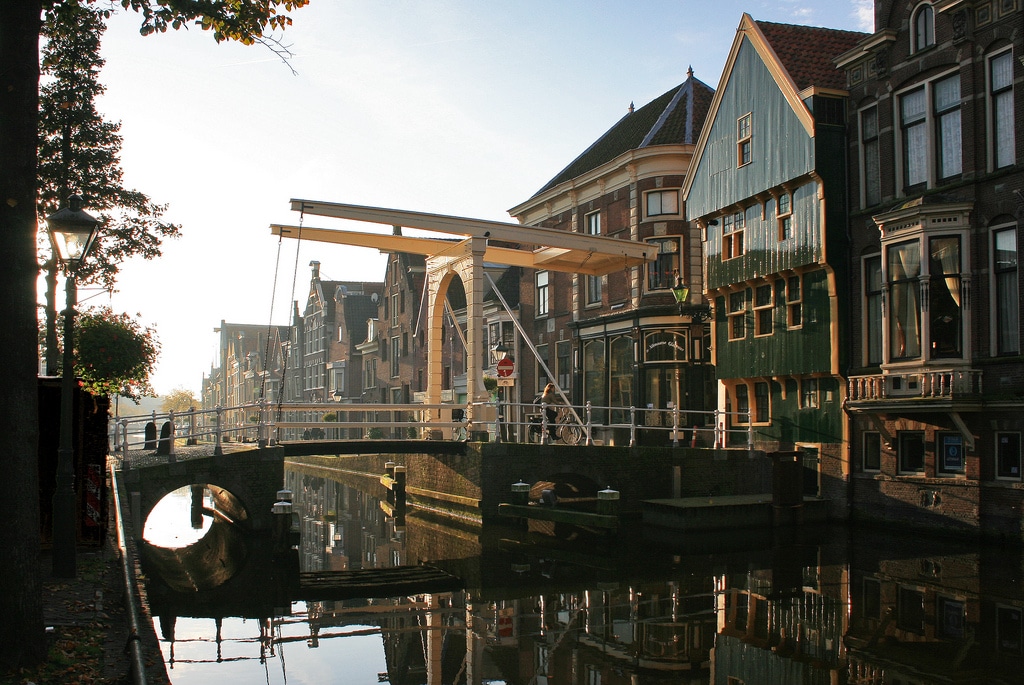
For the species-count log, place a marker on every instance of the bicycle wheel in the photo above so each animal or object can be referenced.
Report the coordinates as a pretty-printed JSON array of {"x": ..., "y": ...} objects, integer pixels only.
[
  {"x": 459, "y": 434},
  {"x": 570, "y": 433}
]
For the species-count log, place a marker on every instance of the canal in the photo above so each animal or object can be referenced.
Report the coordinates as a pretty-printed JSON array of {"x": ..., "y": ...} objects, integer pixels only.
[{"x": 368, "y": 594}]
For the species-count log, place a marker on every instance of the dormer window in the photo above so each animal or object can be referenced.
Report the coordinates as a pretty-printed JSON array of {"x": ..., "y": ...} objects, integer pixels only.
[{"x": 924, "y": 28}]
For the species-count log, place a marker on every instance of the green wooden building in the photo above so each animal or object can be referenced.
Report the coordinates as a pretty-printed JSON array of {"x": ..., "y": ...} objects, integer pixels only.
[{"x": 767, "y": 186}]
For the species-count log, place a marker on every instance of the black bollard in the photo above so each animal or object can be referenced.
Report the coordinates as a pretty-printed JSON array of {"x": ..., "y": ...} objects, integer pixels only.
[
  {"x": 165, "y": 439},
  {"x": 150, "y": 436}
]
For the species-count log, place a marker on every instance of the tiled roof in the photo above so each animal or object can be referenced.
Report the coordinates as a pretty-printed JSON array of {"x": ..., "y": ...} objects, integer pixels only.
[
  {"x": 807, "y": 52},
  {"x": 674, "y": 117}
]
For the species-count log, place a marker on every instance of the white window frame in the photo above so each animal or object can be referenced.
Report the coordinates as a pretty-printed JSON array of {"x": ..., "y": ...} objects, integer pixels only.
[
  {"x": 784, "y": 217},
  {"x": 733, "y": 227},
  {"x": 542, "y": 291},
  {"x": 744, "y": 139},
  {"x": 1020, "y": 457},
  {"x": 733, "y": 312},
  {"x": 660, "y": 195},
  {"x": 930, "y": 123},
  {"x": 670, "y": 275},
  {"x": 795, "y": 304},
  {"x": 810, "y": 393},
  {"x": 764, "y": 308}
]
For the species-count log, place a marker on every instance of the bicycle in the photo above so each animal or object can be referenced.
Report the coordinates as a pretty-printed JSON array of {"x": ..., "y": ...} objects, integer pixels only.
[
  {"x": 460, "y": 432},
  {"x": 565, "y": 429}
]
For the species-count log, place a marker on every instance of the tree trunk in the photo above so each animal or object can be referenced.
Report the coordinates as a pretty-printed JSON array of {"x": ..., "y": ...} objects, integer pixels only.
[{"x": 22, "y": 638}]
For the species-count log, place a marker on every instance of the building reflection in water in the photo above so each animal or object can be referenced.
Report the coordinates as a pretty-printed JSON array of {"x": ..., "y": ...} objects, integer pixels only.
[{"x": 555, "y": 606}]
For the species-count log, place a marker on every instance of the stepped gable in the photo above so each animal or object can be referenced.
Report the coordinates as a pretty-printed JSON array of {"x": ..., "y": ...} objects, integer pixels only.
[
  {"x": 807, "y": 52},
  {"x": 673, "y": 118}
]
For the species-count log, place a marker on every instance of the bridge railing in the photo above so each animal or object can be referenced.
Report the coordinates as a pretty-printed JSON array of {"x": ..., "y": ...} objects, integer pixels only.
[
  {"x": 622, "y": 425},
  {"x": 266, "y": 423}
]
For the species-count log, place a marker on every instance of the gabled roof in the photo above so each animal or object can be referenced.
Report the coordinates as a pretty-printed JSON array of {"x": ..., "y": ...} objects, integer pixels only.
[
  {"x": 675, "y": 117},
  {"x": 807, "y": 52}
]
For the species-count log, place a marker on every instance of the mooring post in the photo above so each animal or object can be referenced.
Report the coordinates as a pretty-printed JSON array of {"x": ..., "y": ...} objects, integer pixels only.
[
  {"x": 521, "y": 493},
  {"x": 608, "y": 502},
  {"x": 590, "y": 425}
]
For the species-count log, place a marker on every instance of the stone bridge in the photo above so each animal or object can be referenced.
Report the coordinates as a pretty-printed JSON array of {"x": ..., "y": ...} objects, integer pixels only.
[{"x": 466, "y": 480}]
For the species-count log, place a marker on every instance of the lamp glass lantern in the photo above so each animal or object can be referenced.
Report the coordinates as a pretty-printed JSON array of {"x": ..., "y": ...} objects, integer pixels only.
[
  {"x": 72, "y": 232},
  {"x": 499, "y": 352},
  {"x": 681, "y": 292}
]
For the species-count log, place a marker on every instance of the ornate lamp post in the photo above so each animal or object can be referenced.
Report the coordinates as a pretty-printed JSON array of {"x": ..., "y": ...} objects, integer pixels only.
[{"x": 72, "y": 233}]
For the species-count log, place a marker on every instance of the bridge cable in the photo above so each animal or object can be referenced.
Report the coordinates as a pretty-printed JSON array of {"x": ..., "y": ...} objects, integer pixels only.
[
  {"x": 270, "y": 322},
  {"x": 284, "y": 365}
]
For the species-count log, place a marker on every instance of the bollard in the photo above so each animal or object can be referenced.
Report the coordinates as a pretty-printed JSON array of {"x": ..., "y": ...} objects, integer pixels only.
[
  {"x": 590, "y": 424},
  {"x": 520, "y": 493},
  {"x": 608, "y": 502},
  {"x": 218, "y": 450},
  {"x": 693, "y": 438}
]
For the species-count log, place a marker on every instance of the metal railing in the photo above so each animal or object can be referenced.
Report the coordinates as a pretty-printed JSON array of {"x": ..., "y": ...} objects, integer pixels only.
[{"x": 266, "y": 423}]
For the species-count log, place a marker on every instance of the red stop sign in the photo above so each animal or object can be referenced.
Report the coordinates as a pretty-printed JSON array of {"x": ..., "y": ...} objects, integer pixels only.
[{"x": 505, "y": 367}]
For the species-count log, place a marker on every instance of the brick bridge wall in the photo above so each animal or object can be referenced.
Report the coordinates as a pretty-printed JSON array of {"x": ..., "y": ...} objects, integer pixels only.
[{"x": 253, "y": 477}]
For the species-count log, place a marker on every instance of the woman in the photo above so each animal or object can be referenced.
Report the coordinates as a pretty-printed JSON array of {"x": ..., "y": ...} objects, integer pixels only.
[{"x": 550, "y": 399}]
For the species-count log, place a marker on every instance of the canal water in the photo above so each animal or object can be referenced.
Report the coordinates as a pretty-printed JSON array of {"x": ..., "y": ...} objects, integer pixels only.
[{"x": 542, "y": 604}]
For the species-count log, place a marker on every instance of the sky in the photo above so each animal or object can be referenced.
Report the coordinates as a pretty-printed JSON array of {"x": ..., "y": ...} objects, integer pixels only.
[{"x": 456, "y": 107}]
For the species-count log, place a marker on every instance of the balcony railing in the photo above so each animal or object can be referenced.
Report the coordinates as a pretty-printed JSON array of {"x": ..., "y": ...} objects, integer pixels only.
[{"x": 945, "y": 384}]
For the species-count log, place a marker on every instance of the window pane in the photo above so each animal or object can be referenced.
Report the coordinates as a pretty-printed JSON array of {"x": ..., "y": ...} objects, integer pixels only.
[
  {"x": 1001, "y": 77},
  {"x": 872, "y": 452},
  {"x": 1007, "y": 291},
  {"x": 915, "y": 144},
  {"x": 947, "y": 108},
  {"x": 873, "y": 308},
  {"x": 944, "y": 286},
  {"x": 761, "y": 398},
  {"x": 911, "y": 446},
  {"x": 1008, "y": 455},
  {"x": 594, "y": 383},
  {"x": 622, "y": 364},
  {"x": 904, "y": 263}
]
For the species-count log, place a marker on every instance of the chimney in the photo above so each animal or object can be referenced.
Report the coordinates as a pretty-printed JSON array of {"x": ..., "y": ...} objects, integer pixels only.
[{"x": 316, "y": 269}]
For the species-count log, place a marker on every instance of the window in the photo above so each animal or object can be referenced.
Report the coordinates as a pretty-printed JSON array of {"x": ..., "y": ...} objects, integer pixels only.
[
  {"x": 794, "y": 302},
  {"x": 593, "y": 288},
  {"x": 394, "y": 356},
  {"x": 732, "y": 235},
  {"x": 563, "y": 353},
  {"x": 872, "y": 452},
  {"x": 873, "y": 309},
  {"x": 663, "y": 271},
  {"x": 949, "y": 448},
  {"x": 1008, "y": 456},
  {"x": 542, "y": 293},
  {"x": 871, "y": 176},
  {"x": 784, "y": 217},
  {"x": 737, "y": 315},
  {"x": 1007, "y": 291},
  {"x": 925, "y": 161},
  {"x": 370, "y": 373},
  {"x": 743, "y": 135},
  {"x": 911, "y": 451},
  {"x": 593, "y": 221},
  {"x": 945, "y": 297},
  {"x": 910, "y": 610},
  {"x": 1001, "y": 110},
  {"x": 904, "y": 268},
  {"x": 915, "y": 144},
  {"x": 809, "y": 396},
  {"x": 948, "y": 131},
  {"x": 924, "y": 28},
  {"x": 950, "y": 618},
  {"x": 763, "y": 309},
  {"x": 1008, "y": 629},
  {"x": 762, "y": 405},
  {"x": 394, "y": 309},
  {"x": 595, "y": 387},
  {"x": 660, "y": 202},
  {"x": 742, "y": 404}
]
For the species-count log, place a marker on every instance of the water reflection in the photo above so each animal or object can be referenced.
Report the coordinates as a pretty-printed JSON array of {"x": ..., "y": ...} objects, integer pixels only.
[{"x": 550, "y": 605}]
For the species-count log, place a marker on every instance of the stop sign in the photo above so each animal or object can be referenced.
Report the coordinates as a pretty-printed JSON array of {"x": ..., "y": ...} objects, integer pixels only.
[{"x": 505, "y": 367}]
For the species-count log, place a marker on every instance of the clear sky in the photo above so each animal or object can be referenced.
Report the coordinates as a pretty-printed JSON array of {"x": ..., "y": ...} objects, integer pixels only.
[{"x": 456, "y": 107}]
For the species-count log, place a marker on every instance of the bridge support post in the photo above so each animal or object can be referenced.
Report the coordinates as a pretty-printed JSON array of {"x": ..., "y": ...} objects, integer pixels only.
[
  {"x": 632, "y": 426},
  {"x": 590, "y": 425}
]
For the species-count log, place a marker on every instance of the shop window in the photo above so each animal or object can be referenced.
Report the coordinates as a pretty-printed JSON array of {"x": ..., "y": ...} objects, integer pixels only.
[
  {"x": 1008, "y": 459},
  {"x": 764, "y": 310},
  {"x": 621, "y": 364},
  {"x": 871, "y": 453},
  {"x": 911, "y": 451},
  {"x": 950, "y": 452},
  {"x": 595, "y": 385},
  {"x": 737, "y": 315}
]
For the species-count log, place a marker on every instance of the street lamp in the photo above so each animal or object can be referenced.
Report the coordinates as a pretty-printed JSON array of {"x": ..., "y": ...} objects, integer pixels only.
[
  {"x": 72, "y": 233},
  {"x": 499, "y": 352}
]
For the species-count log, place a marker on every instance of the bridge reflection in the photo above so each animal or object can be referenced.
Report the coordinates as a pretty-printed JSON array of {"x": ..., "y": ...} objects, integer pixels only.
[{"x": 558, "y": 605}]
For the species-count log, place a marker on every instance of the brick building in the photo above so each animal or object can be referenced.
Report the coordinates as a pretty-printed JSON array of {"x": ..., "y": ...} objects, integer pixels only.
[
  {"x": 620, "y": 340},
  {"x": 936, "y": 388}
]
